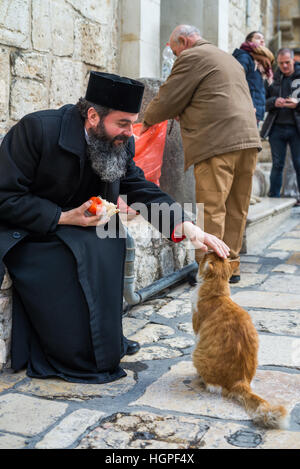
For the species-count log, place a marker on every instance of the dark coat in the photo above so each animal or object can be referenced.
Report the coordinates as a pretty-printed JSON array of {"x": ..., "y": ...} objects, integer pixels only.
[
  {"x": 255, "y": 81},
  {"x": 273, "y": 92},
  {"x": 67, "y": 281}
]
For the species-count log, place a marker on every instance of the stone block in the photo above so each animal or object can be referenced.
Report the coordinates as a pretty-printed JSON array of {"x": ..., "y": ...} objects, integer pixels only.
[
  {"x": 27, "y": 96},
  {"x": 41, "y": 25},
  {"x": 4, "y": 83},
  {"x": 99, "y": 11},
  {"x": 62, "y": 28},
  {"x": 91, "y": 44},
  {"x": 67, "y": 83},
  {"x": 30, "y": 65},
  {"x": 15, "y": 23},
  {"x": 67, "y": 432},
  {"x": 17, "y": 411}
]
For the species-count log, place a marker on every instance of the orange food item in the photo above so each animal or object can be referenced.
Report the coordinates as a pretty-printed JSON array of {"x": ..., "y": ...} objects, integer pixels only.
[{"x": 96, "y": 202}]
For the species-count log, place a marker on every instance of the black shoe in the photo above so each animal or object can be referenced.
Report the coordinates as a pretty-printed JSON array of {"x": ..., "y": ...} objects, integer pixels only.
[
  {"x": 235, "y": 279},
  {"x": 132, "y": 348}
]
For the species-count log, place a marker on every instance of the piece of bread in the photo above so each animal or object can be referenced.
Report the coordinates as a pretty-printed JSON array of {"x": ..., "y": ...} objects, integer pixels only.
[{"x": 111, "y": 209}]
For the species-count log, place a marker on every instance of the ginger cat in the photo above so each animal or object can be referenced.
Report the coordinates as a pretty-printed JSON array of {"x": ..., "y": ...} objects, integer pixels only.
[{"x": 226, "y": 353}]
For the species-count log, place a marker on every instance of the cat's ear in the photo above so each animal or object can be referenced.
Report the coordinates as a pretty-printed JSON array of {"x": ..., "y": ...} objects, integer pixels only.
[
  {"x": 208, "y": 266},
  {"x": 234, "y": 265}
]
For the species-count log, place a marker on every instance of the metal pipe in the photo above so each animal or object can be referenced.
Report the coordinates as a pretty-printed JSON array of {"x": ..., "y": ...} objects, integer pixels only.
[{"x": 136, "y": 297}]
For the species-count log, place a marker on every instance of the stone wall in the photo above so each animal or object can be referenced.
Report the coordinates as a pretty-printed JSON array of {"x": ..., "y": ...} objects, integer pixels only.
[
  {"x": 48, "y": 47},
  {"x": 241, "y": 23}
]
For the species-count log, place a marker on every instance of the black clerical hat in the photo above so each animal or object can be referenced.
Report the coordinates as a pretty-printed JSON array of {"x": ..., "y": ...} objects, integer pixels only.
[{"x": 115, "y": 92}]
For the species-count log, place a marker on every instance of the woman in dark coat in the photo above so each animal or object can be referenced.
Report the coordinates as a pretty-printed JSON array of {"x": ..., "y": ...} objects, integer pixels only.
[{"x": 256, "y": 60}]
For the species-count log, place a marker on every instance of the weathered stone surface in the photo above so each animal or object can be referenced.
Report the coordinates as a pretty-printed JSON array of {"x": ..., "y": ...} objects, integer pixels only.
[
  {"x": 90, "y": 44},
  {"x": 174, "y": 308},
  {"x": 146, "y": 430},
  {"x": 268, "y": 300},
  {"x": 290, "y": 244},
  {"x": 280, "y": 254},
  {"x": 4, "y": 83},
  {"x": 142, "y": 312},
  {"x": 17, "y": 412},
  {"x": 66, "y": 84},
  {"x": 41, "y": 25},
  {"x": 67, "y": 432},
  {"x": 292, "y": 234},
  {"x": 248, "y": 280},
  {"x": 8, "y": 441},
  {"x": 30, "y": 65},
  {"x": 285, "y": 268},
  {"x": 152, "y": 333},
  {"x": 294, "y": 259},
  {"x": 281, "y": 440},
  {"x": 59, "y": 389},
  {"x": 8, "y": 380},
  {"x": 186, "y": 327},
  {"x": 276, "y": 322},
  {"x": 282, "y": 283},
  {"x": 132, "y": 325},
  {"x": 15, "y": 23},
  {"x": 180, "y": 390},
  {"x": 152, "y": 353},
  {"x": 279, "y": 351},
  {"x": 178, "y": 342},
  {"x": 62, "y": 28},
  {"x": 230, "y": 436},
  {"x": 248, "y": 267},
  {"x": 27, "y": 96},
  {"x": 96, "y": 10}
]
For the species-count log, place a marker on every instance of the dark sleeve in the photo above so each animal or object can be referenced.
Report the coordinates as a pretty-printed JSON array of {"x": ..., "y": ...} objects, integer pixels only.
[
  {"x": 270, "y": 98},
  {"x": 19, "y": 159},
  {"x": 155, "y": 206}
]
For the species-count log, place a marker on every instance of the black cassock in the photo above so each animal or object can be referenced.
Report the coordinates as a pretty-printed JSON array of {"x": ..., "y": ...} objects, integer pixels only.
[{"x": 67, "y": 281}]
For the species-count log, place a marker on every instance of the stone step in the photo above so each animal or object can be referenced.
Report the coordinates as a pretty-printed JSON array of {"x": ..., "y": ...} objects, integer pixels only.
[{"x": 264, "y": 222}]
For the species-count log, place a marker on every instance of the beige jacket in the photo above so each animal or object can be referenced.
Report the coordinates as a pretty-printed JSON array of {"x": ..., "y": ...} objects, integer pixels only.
[{"x": 208, "y": 90}]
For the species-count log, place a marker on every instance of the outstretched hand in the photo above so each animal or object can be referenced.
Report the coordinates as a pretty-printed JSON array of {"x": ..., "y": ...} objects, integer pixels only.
[{"x": 202, "y": 240}]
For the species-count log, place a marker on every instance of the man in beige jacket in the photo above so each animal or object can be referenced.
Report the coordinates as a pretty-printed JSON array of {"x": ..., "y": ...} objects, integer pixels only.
[{"x": 208, "y": 92}]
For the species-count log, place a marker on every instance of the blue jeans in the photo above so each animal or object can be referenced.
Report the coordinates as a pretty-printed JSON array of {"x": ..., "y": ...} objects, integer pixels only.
[{"x": 280, "y": 136}]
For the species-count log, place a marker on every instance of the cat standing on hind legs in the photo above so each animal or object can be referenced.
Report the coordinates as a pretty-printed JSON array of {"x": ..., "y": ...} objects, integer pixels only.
[{"x": 225, "y": 355}]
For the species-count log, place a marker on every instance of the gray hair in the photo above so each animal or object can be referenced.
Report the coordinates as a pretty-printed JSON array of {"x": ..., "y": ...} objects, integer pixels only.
[
  {"x": 83, "y": 105},
  {"x": 285, "y": 50},
  {"x": 185, "y": 30}
]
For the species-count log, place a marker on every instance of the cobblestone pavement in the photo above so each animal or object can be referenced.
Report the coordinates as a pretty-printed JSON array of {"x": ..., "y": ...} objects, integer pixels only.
[{"x": 160, "y": 404}]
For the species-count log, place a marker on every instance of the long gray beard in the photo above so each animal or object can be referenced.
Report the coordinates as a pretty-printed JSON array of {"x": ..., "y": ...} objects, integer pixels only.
[{"x": 107, "y": 160}]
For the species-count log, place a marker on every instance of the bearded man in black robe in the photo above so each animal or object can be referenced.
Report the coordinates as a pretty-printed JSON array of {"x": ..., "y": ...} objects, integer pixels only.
[{"x": 67, "y": 267}]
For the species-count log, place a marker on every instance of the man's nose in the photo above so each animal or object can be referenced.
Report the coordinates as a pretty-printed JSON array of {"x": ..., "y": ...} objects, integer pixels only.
[{"x": 128, "y": 132}]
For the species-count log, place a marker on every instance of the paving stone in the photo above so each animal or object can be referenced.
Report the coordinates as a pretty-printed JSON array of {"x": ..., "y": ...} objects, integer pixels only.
[
  {"x": 280, "y": 254},
  {"x": 152, "y": 333},
  {"x": 245, "y": 258},
  {"x": 179, "y": 342},
  {"x": 8, "y": 441},
  {"x": 278, "y": 439},
  {"x": 8, "y": 380},
  {"x": 248, "y": 280},
  {"x": 147, "y": 430},
  {"x": 152, "y": 353},
  {"x": 141, "y": 312},
  {"x": 294, "y": 259},
  {"x": 285, "y": 268},
  {"x": 174, "y": 309},
  {"x": 180, "y": 390},
  {"x": 292, "y": 234},
  {"x": 279, "y": 351},
  {"x": 229, "y": 435},
  {"x": 59, "y": 389},
  {"x": 268, "y": 300},
  {"x": 186, "y": 327},
  {"x": 69, "y": 429},
  {"x": 28, "y": 415},
  {"x": 282, "y": 283},
  {"x": 289, "y": 244},
  {"x": 249, "y": 267},
  {"x": 132, "y": 325},
  {"x": 276, "y": 322}
]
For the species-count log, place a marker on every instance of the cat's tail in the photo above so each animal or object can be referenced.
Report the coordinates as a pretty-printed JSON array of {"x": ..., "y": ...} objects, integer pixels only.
[{"x": 261, "y": 412}]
